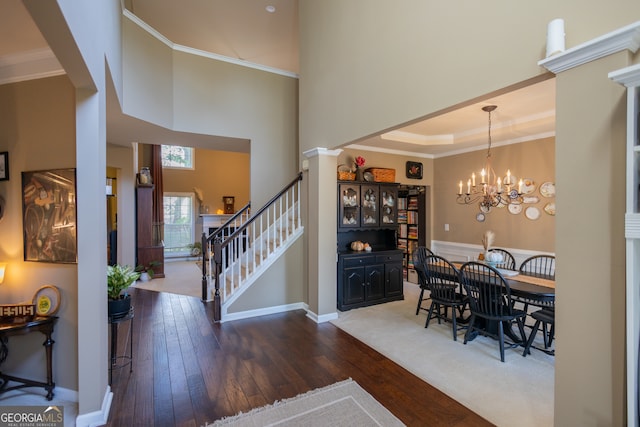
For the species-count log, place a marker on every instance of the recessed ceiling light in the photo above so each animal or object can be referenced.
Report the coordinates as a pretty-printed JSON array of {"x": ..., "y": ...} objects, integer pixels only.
[{"x": 270, "y": 8}]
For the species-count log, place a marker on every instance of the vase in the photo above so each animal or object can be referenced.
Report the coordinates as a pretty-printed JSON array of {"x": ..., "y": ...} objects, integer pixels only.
[
  {"x": 119, "y": 307},
  {"x": 359, "y": 174}
]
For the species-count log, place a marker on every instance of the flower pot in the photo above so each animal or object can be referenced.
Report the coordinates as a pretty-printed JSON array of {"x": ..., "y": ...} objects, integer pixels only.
[
  {"x": 119, "y": 307},
  {"x": 144, "y": 277}
]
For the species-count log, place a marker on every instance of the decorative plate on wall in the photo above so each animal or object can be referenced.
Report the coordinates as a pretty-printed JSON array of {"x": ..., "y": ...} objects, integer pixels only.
[
  {"x": 532, "y": 213},
  {"x": 414, "y": 170},
  {"x": 515, "y": 208},
  {"x": 550, "y": 208},
  {"x": 47, "y": 300},
  {"x": 528, "y": 186},
  {"x": 548, "y": 189}
]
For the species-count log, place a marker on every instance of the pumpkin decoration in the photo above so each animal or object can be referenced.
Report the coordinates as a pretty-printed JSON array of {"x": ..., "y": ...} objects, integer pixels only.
[{"x": 360, "y": 246}]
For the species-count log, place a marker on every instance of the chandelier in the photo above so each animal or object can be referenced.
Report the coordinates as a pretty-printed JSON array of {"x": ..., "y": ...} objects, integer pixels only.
[{"x": 492, "y": 191}]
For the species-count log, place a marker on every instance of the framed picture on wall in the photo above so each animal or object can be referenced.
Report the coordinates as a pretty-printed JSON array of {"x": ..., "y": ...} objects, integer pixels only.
[
  {"x": 49, "y": 216},
  {"x": 4, "y": 166},
  {"x": 414, "y": 170}
]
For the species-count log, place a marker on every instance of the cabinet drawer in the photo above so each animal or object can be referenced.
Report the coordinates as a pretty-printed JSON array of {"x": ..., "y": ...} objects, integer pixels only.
[
  {"x": 354, "y": 262},
  {"x": 389, "y": 258}
]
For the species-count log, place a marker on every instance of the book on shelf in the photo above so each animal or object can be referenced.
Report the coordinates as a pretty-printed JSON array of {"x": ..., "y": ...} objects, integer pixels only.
[
  {"x": 412, "y": 217},
  {"x": 413, "y": 232},
  {"x": 402, "y": 231},
  {"x": 402, "y": 244},
  {"x": 402, "y": 216},
  {"x": 402, "y": 203},
  {"x": 412, "y": 203}
]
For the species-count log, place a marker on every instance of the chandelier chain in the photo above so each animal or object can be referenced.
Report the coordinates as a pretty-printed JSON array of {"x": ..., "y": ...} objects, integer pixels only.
[{"x": 489, "y": 148}]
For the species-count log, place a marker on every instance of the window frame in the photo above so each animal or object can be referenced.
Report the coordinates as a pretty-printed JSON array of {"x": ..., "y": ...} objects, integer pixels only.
[
  {"x": 194, "y": 214},
  {"x": 193, "y": 158}
]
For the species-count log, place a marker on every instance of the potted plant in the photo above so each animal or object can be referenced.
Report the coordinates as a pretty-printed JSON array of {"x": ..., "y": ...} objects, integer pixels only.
[
  {"x": 119, "y": 278},
  {"x": 196, "y": 248},
  {"x": 146, "y": 271}
]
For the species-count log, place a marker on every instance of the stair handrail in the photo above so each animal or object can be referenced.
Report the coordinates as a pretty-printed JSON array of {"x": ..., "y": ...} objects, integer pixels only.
[
  {"x": 227, "y": 223},
  {"x": 223, "y": 241}
]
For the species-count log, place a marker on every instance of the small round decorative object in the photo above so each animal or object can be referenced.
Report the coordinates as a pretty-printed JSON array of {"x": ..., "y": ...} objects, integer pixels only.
[
  {"x": 548, "y": 189},
  {"x": 532, "y": 213},
  {"x": 47, "y": 300}
]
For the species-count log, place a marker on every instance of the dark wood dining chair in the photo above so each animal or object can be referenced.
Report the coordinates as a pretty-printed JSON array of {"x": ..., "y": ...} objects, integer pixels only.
[
  {"x": 508, "y": 261},
  {"x": 420, "y": 255},
  {"x": 489, "y": 300},
  {"x": 446, "y": 293},
  {"x": 547, "y": 318},
  {"x": 543, "y": 266}
]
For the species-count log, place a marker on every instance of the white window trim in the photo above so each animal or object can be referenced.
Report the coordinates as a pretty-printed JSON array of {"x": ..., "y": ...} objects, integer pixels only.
[
  {"x": 193, "y": 159},
  {"x": 194, "y": 214}
]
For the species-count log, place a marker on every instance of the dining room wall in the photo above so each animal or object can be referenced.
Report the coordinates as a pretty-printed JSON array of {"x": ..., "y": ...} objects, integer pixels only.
[{"x": 532, "y": 160}]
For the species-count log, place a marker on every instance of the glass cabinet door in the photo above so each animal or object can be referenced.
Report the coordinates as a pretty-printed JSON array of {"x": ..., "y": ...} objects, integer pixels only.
[
  {"x": 370, "y": 203},
  {"x": 349, "y": 206},
  {"x": 389, "y": 205}
]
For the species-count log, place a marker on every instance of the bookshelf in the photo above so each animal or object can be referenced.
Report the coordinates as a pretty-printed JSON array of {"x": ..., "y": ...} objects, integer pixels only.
[{"x": 411, "y": 226}]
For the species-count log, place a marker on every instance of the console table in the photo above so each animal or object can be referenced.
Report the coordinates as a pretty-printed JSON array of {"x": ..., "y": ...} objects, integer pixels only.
[{"x": 38, "y": 324}]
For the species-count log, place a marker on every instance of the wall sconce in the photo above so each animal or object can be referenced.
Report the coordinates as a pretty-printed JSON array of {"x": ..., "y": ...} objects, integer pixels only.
[{"x": 3, "y": 265}]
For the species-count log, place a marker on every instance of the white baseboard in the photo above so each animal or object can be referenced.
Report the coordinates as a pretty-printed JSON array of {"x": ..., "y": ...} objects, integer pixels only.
[
  {"x": 263, "y": 311},
  {"x": 322, "y": 318},
  {"x": 97, "y": 418},
  {"x": 467, "y": 252}
]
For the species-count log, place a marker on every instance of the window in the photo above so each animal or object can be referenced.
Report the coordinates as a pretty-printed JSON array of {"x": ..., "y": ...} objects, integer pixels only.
[
  {"x": 178, "y": 224},
  {"x": 175, "y": 156}
]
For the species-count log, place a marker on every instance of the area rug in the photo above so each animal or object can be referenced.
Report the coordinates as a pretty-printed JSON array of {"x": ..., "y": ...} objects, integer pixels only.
[
  {"x": 341, "y": 404},
  {"x": 518, "y": 392},
  {"x": 181, "y": 277}
]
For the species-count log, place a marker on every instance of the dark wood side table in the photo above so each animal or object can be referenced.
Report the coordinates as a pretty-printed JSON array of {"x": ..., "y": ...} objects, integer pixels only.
[
  {"x": 39, "y": 324},
  {"x": 115, "y": 321}
]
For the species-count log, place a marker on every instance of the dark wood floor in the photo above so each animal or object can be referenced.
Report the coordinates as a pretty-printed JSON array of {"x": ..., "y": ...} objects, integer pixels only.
[{"x": 188, "y": 371}]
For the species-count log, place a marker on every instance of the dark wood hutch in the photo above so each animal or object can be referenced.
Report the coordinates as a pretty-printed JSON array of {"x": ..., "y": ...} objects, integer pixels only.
[{"x": 368, "y": 212}]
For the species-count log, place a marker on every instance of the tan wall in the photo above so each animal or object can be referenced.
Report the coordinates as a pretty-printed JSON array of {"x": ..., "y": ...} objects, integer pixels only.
[
  {"x": 376, "y": 67},
  {"x": 590, "y": 153},
  {"x": 37, "y": 128},
  {"x": 534, "y": 160},
  {"x": 217, "y": 174}
]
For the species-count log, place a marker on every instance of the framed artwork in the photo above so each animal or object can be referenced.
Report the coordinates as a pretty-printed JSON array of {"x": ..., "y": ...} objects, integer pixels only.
[
  {"x": 4, "y": 166},
  {"x": 49, "y": 216},
  {"x": 414, "y": 170}
]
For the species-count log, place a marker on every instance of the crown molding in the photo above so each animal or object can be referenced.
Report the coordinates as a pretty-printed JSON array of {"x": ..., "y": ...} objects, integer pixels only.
[
  {"x": 180, "y": 48},
  {"x": 616, "y": 41},
  {"x": 628, "y": 76},
  {"x": 29, "y": 65}
]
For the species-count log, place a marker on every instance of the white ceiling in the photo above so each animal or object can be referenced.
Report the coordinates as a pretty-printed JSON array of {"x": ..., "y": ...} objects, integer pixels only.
[{"x": 244, "y": 30}]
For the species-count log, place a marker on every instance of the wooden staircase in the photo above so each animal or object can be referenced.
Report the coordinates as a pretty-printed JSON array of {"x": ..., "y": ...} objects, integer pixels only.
[{"x": 240, "y": 251}]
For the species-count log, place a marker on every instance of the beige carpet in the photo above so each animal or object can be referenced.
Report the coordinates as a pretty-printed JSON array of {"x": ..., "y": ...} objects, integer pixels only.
[
  {"x": 517, "y": 392},
  {"x": 341, "y": 404},
  {"x": 181, "y": 277}
]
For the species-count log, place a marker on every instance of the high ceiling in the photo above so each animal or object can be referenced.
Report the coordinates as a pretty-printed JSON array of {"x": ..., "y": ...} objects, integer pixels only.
[{"x": 264, "y": 32}]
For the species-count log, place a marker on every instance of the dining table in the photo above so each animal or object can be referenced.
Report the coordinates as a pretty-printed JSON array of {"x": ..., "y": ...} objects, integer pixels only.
[{"x": 526, "y": 289}]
